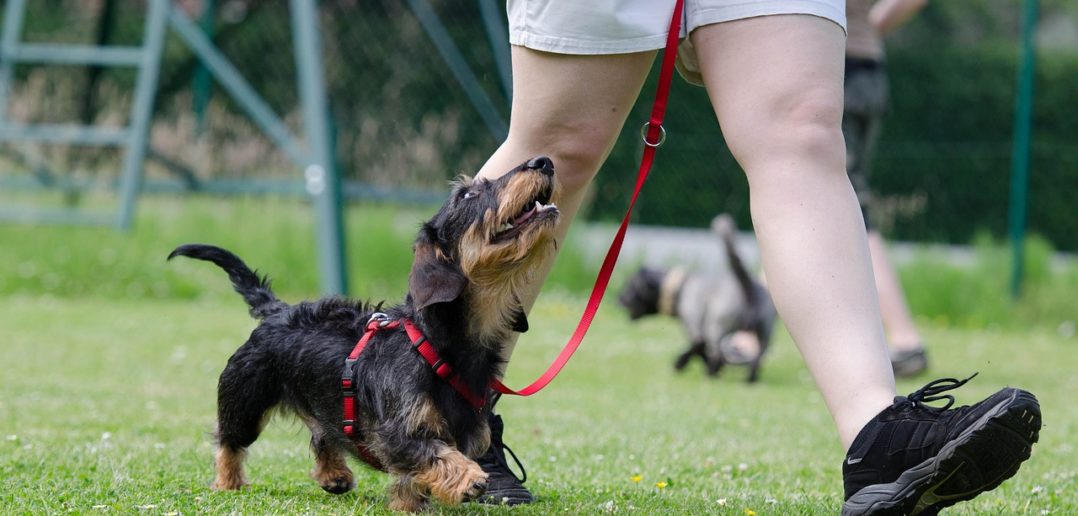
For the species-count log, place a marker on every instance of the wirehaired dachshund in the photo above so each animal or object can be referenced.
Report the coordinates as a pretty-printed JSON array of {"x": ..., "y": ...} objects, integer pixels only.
[{"x": 418, "y": 383}]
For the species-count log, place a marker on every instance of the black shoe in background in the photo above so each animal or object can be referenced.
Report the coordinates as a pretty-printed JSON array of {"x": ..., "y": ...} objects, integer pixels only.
[
  {"x": 914, "y": 459},
  {"x": 909, "y": 363}
]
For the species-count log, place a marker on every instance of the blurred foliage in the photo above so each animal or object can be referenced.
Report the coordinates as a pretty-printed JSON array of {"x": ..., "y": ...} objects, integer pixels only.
[{"x": 402, "y": 121}]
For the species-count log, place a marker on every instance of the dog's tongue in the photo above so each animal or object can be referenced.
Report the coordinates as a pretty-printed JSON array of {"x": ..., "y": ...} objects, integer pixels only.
[{"x": 526, "y": 215}]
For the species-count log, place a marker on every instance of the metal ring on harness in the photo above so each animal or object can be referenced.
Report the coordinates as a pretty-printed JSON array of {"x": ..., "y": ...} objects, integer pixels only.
[
  {"x": 644, "y": 135},
  {"x": 381, "y": 318}
]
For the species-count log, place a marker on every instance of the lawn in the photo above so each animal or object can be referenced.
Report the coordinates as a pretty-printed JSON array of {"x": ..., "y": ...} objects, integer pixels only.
[
  {"x": 107, "y": 407},
  {"x": 109, "y": 359}
]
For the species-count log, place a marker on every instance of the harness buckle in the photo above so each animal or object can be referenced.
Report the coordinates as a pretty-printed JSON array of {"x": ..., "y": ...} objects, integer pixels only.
[{"x": 349, "y": 369}]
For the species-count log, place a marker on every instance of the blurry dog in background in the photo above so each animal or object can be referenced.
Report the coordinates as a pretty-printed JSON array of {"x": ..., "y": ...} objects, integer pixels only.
[{"x": 729, "y": 318}]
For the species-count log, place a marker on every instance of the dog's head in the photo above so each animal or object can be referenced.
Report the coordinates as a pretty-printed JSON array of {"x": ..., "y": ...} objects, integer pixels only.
[
  {"x": 641, "y": 295},
  {"x": 484, "y": 243}
]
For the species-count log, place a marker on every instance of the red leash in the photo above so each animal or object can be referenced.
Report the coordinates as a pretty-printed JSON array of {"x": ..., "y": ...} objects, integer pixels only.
[{"x": 654, "y": 137}]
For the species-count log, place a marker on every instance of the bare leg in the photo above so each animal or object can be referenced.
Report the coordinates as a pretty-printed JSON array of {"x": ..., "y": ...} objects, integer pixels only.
[
  {"x": 898, "y": 321},
  {"x": 570, "y": 108},
  {"x": 776, "y": 86}
]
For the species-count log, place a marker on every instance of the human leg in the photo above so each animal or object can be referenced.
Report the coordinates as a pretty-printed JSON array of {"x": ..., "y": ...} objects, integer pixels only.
[
  {"x": 571, "y": 109},
  {"x": 781, "y": 121},
  {"x": 865, "y": 101},
  {"x": 907, "y": 348}
]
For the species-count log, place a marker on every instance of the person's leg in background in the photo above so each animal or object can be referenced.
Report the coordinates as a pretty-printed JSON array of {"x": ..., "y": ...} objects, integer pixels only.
[
  {"x": 571, "y": 109},
  {"x": 908, "y": 356},
  {"x": 776, "y": 86},
  {"x": 866, "y": 91}
]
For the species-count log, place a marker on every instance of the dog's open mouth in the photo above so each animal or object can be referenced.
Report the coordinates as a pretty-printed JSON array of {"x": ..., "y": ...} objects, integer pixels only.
[{"x": 534, "y": 211}]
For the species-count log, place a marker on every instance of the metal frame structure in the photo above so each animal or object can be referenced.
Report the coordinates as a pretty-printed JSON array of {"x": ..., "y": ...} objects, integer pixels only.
[
  {"x": 314, "y": 155},
  {"x": 146, "y": 58}
]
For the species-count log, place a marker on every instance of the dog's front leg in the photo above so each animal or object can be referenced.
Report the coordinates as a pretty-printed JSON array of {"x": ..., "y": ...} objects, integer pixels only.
[
  {"x": 452, "y": 478},
  {"x": 447, "y": 476},
  {"x": 420, "y": 453},
  {"x": 406, "y": 495}
]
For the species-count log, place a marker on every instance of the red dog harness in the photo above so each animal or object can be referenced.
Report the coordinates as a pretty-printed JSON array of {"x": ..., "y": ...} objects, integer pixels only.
[{"x": 379, "y": 322}]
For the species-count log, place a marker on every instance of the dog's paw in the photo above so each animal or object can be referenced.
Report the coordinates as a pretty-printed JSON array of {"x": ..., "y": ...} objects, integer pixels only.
[
  {"x": 228, "y": 484},
  {"x": 455, "y": 481},
  {"x": 337, "y": 479},
  {"x": 473, "y": 483},
  {"x": 476, "y": 489},
  {"x": 339, "y": 485}
]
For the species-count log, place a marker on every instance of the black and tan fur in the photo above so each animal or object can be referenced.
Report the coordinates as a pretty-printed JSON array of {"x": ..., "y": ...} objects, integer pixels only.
[{"x": 470, "y": 260}]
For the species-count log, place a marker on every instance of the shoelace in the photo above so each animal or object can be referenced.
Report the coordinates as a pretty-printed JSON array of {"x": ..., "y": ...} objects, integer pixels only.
[
  {"x": 933, "y": 391},
  {"x": 500, "y": 459},
  {"x": 499, "y": 454}
]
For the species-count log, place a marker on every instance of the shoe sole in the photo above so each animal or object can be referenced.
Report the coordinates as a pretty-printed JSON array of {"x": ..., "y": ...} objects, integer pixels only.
[{"x": 1006, "y": 432}]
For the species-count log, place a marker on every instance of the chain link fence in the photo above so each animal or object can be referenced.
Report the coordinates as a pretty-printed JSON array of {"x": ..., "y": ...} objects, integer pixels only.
[{"x": 404, "y": 120}]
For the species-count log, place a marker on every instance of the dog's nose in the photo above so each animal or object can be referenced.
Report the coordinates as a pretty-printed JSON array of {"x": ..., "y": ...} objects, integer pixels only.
[{"x": 540, "y": 163}]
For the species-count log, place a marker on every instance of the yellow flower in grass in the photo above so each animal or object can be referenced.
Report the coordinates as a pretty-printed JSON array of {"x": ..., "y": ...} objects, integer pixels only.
[
  {"x": 660, "y": 485},
  {"x": 636, "y": 478},
  {"x": 750, "y": 512}
]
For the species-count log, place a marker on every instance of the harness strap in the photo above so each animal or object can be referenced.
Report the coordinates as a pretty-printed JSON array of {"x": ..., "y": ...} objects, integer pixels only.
[
  {"x": 422, "y": 346},
  {"x": 348, "y": 389},
  {"x": 440, "y": 367}
]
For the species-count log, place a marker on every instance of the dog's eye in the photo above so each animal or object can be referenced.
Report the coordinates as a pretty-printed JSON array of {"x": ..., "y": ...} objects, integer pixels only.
[{"x": 469, "y": 195}]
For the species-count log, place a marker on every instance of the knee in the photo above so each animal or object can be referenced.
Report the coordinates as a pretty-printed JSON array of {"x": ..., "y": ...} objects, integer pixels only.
[
  {"x": 577, "y": 151},
  {"x": 796, "y": 128}
]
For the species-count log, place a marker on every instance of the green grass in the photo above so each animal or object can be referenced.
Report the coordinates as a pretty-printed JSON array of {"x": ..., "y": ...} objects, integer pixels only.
[
  {"x": 109, "y": 358},
  {"x": 107, "y": 406},
  {"x": 275, "y": 235}
]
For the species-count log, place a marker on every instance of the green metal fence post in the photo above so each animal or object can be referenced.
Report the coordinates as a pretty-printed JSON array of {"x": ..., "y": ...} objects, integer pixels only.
[
  {"x": 139, "y": 128},
  {"x": 14, "y": 13},
  {"x": 1023, "y": 127},
  {"x": 323, "y": 182}
]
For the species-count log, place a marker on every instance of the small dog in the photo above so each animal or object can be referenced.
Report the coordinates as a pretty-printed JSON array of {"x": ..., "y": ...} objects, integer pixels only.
[
  {"x": 714, "y": 311},
  {"x": 414, "y": 417}
]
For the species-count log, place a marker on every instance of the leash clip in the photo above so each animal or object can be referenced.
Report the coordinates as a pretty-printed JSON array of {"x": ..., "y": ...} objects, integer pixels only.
[
  {"x": 380, "y": 318},
  {"x": 644, "y": 135}
]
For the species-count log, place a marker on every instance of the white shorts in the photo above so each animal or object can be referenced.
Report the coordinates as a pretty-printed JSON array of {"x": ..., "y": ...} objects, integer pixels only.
[{"x": 590, "y": 27}]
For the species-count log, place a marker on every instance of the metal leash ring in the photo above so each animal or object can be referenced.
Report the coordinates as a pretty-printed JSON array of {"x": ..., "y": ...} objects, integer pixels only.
[{"x": 644, "y": 135}]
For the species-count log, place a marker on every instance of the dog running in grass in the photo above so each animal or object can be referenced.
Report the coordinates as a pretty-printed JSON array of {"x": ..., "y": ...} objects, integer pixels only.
[
  {"x": 418, "y": 414},
  {"x": 714, "y": 310}
]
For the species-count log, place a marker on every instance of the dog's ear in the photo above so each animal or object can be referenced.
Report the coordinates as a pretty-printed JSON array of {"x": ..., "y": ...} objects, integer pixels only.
[
  {"x": 434, "y": 278},
  {"x": 520, "y": 319}
]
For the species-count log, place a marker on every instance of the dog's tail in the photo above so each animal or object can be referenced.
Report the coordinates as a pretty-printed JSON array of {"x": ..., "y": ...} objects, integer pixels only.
[
  {"x": 255, "y": 290},
  {"x": 724, "y": 226}
]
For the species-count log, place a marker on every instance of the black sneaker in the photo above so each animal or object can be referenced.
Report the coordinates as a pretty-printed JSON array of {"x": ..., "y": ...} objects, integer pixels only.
[
  {"x": 503, "y": 486},
  {"x": 909, "y": 363},
  {"x": 914, "y": 459}
]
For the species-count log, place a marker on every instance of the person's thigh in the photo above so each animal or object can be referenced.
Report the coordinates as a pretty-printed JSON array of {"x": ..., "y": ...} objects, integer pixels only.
[
  {"x": 775, "y": 83},
  {"x": 569, "y": 107}
]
